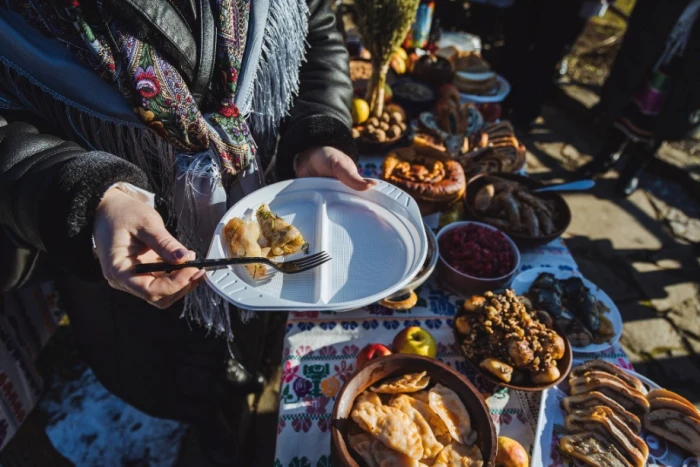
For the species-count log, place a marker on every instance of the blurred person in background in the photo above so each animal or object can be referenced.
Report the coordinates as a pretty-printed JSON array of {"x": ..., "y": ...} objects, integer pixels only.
[
  {"x": 127, "y": 128},
  {"x": 538, "y": 34},
  {"x": 653, "y": 91}
]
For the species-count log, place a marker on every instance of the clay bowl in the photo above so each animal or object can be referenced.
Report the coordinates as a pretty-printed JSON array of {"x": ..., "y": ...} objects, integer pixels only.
[
  {"x": 396, "y": 365},
  {"x": 561, "y": 222},
  {"x": 368, "y": 146},
  {"x": 405, "y": 96},
  {"x": 464, "y": 284},
  {"x": 563, "y": 365}
]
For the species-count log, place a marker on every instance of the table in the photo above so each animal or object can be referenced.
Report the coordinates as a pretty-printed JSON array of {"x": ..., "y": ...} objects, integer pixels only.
[{"x": 320, "y": 351}]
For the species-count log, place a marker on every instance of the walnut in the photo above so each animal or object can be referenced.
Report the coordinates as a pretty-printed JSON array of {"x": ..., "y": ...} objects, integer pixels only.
[
  {"x": 386, "y": 118},
  {"x": 373, "y": 121},
  {"x": 384, "y": 126},
  {"x": 379, "y": 135},
  {"x": 396, "y": 117},
  {"x": 355, "y": 133},
  {"x": 394, "y": 131}
]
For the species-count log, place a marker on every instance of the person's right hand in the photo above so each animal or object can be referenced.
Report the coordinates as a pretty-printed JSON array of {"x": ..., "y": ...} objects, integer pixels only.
[{"x": 128, "y": 232}]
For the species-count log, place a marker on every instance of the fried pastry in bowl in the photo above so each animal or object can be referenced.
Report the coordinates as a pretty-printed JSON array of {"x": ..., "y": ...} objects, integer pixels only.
[
  {"x": 435, "y": 184},
  {"x": 413, "y": 410}
]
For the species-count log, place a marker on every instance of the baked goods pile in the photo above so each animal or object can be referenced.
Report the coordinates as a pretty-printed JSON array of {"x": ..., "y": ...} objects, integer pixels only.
[
  {"x": 607, "y": 409},
  {"x": 403, "y": 421},
  {"x": 389, "y": 127},
  {"x": 515, "y": 345},
  {"x": 512, "y": 207},
  {"x": 473, "y": 75},
  {"x": 604, "y": 412},
  {"x": 576, "y": 310},
  {"x": 270, "y": 236},
  {"x": 498, "y": 150},
  {"x": 434, "y": 184}
]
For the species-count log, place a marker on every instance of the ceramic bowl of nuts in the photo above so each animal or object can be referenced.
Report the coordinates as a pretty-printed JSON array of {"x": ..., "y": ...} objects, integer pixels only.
[{"x": 377, "y": 134}]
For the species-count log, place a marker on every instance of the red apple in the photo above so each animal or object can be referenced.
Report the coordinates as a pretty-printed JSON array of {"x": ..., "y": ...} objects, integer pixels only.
[
  {"x": 370, "y": 352},
  {"x": 415, "y": 340},
  {"x": 490, "y": 111}
]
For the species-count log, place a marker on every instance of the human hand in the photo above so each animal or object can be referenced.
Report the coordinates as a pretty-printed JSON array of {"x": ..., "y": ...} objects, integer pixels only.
[
  {"x": 128, "y": 232},
  {"x": 330, "y": 162}
]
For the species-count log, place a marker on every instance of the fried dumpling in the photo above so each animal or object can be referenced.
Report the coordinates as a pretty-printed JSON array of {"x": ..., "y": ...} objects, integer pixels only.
[
  {"x": 458, "y": 455},
  {"x": 431, "y": 446},
  {"x": 410, "y": 382},
  {"x": 448, "y": 406},
  {"x": 421, "y": 396},
  {"x": 361, "y": 443},
  {"x": 602, "y": 365},
  {"x": 368, "y": 397},
  {"x": 396, "y": 430},
  {"x": 386, "y": 457},
  {"x": 367, "y": 415},
  {"x": 593, "y": 449},
  {"x": 435, "y": 422},
  {"x": 282, "y": 237},
  {"x": 243, "y": 240}
]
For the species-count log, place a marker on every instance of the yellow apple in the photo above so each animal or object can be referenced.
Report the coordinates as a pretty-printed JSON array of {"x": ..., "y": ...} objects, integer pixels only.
[
  {"x": 511, "y": 453},
  {"x": 415, "y": 340}
]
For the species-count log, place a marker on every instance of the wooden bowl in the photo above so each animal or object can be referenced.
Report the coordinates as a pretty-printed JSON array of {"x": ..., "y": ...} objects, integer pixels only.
[
  {"x": 563, "y": 365},
  {"x": 396, "y": 365},
  {"x": 561, "y": 222},
  {"x": 368, "y": 146}
]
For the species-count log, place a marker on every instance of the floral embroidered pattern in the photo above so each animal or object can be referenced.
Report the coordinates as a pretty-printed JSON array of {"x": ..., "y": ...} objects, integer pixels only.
[{"x": 155, "y": 89}]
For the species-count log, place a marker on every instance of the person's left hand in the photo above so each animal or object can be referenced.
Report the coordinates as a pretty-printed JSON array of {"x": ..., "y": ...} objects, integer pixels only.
[{"x": 330, "y": 162}]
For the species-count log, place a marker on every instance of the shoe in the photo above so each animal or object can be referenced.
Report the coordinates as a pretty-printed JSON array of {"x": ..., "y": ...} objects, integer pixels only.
[
  {"x": 218, "y": 441},
  {"x": 624, "y": 188},
  {"x": 597, "y": 166},
  {"x": 628, "y": 182}
]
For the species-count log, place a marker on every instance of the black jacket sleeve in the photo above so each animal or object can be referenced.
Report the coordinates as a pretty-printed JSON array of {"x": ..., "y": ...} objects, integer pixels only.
[
  {"x": 49, "y": 190},
  {"x": 320, "y": 115}
]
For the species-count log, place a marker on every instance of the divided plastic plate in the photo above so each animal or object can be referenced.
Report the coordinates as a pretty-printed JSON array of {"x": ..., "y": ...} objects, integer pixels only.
[
  {"x": 375, "y": 238},
  {"x": 522, "y": 282}
]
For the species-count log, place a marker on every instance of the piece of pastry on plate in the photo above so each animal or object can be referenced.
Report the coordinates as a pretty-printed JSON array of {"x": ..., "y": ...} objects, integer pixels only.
[
  {"x": 603, "y": 421},
  {"x": 658, "y": 398},
  {"x": 458, "y": 455},
  {"x": 387, "y": 457},
  {"x": 435, "y": 422},
  {"x": 242, "y": 237},
  {"x": 594, "y": 399},
  {"x": 397, "y": 431},
  {"x": 431, "y": 446},
  {"x": 602, "y": 365},
  {"x": 613, "y": 387},
  {"x": 593, "y": 449},
  {"x": 410, "y": 382},
  {"x": 449, "y": 407},
  {"x": 282, "y": 237},
  {"x": 676, "y": 427},
  {"x": 361, "y": 443}
]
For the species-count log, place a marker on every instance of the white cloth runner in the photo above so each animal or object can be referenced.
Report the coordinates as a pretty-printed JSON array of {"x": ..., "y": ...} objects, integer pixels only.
[{"x": 320, "y": 352}]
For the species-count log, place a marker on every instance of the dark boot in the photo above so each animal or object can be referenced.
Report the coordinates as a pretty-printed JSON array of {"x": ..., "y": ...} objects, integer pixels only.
[
  {"x": 639, "y": 158},
  {"x": 614, "y": 145}
]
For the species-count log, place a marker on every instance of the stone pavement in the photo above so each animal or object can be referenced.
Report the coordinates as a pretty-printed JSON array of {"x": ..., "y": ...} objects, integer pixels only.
[{"x": 643, "y": 251}]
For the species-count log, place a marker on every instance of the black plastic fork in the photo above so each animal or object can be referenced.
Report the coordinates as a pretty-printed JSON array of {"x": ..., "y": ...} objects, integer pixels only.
[{"x": 287, "y": 267}]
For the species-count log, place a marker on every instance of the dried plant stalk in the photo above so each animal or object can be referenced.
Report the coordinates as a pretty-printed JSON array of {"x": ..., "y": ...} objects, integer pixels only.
[{"x": 383, "y": 25}]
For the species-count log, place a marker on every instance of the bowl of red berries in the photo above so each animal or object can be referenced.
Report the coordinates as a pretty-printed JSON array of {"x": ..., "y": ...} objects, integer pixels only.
[{"x": 474, "y": 257}]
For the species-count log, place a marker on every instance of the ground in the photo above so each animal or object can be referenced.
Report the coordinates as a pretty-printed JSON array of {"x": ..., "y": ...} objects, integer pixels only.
[{"x": 643, "y": 251}]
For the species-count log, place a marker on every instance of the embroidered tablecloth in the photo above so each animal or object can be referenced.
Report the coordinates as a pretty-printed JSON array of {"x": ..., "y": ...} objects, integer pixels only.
[{"x": 320, "y": 352}]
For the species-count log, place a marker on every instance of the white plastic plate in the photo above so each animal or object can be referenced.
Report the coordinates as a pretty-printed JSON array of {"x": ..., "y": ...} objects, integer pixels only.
[
  {"x": 376, "y": 240},
  {"x": 551, "y": 426},
  {"x": 522, "y": 282}
]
